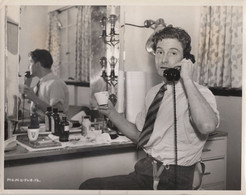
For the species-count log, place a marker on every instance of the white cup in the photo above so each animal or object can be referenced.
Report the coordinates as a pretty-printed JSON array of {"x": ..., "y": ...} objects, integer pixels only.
[
  {"x": 102, "y": 98},
  {"x": 33, "y": 134}
]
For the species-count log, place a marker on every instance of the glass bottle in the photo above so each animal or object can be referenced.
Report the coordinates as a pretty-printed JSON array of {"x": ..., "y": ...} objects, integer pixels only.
[
  {"x": 34, "y": 123},
  {"x": 86, "y": 124},
  {"x": 61, "y": 114},
  {"x": 64, "y": 130},
  {"x": 55, "y": 122},
  {"x": 48, "y": 114}
]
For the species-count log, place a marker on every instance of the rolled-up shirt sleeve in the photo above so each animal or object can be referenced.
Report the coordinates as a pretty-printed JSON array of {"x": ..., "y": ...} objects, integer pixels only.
[
  {"x": 140, "y": 119},
  {"x": 57, "y": 94},
  {"x": 209, "y": 96}
]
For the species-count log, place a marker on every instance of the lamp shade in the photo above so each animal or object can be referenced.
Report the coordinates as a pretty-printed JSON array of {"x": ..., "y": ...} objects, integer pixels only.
[{"x": 159, "y": 25}]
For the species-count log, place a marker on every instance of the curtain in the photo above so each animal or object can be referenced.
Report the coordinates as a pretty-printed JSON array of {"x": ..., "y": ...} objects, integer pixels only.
[
  {"x": 219, "y": 61},
  {"x": 53, "y": 40},
  {"x": 83, "y": 44}
]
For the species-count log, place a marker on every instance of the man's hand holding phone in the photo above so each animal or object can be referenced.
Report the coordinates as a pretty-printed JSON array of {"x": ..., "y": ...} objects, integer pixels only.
[
  {"x": 187, "y": 69},
  {"x": 27, "y": 92}
]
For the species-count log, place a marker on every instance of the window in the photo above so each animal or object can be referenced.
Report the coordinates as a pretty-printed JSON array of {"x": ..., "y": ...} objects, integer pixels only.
[
  {"x": 75, "y": 44},
  {"x": 220, "y": 49}
]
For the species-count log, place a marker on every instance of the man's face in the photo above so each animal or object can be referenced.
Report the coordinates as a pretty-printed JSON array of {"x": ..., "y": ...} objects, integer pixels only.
[
  {"x": 168, "y": 53},
  {"x": 33, "y": 67}
]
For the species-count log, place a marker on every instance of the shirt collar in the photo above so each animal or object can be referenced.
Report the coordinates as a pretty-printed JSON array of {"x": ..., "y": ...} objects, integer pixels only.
[{"x": 47, "y": 77}]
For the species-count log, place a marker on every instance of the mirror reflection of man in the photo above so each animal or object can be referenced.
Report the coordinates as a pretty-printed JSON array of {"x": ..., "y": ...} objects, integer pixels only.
[{"x": 50, "y": 90}]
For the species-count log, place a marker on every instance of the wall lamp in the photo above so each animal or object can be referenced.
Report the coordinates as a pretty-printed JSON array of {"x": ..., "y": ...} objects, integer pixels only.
[
  {"x": 111, "y": 79},
  {"x": 156, "y": 26},
  {"x": 111, "y": 38}
]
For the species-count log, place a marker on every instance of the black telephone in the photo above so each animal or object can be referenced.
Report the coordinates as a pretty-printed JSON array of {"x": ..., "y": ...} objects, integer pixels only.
[
  {"x": 172, "y": 74},
  {"x": 28, "y": 74},
  {"x": 27, "y": 78}
]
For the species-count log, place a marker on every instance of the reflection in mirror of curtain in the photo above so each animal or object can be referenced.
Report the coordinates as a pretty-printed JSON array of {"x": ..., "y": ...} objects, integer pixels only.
[
  {"x": 61, "y": 41},
  {"x": 53, "y": 42},
  {"x": 73, "y": 41}
]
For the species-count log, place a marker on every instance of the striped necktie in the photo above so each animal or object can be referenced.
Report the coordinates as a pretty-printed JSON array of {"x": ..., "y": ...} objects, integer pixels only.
[
  {"x": 150, "y": 117},
  {"x": 37, "y": 88}
]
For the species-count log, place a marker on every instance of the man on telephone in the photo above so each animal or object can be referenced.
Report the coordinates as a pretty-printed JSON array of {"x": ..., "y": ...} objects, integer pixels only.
[
  {"x": 153, "y": 131},
  {"x": 50, "y": 90}
]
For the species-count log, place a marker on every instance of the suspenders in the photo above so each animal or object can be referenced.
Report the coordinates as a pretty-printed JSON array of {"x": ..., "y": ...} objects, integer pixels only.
[{"x": 157, "y": 172}]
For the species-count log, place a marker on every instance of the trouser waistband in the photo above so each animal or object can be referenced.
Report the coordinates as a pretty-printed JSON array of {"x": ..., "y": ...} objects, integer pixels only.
[{"x": 168, "y": 165}]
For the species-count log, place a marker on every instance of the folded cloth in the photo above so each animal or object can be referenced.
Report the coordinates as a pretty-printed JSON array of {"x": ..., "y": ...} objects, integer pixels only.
[
  {"x": 103, "y": 138},
  {"x": 9, "y": 140},
  {"x": 122, "y": 139},
  {"x": 10, "y": 144},
  {"x": 53, "y": 137},
  {"x": 79, "y": 116}
]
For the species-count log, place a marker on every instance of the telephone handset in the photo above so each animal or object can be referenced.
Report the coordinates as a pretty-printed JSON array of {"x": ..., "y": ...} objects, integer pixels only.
[
  {"x": 172, "y": 74},
  {"x": 28, "y": 74},
  {"x": 27, "y": 82},
  {"x": 28, "y": 78}
]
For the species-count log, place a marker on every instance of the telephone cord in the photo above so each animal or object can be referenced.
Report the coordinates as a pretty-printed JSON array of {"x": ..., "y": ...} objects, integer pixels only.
[
  {"x": 175, "y": 135},
  {"x": 23, "y": 104}
]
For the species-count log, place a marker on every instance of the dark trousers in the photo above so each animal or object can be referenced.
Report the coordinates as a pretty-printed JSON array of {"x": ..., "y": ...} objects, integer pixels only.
[{"x": 142, "y": 178}]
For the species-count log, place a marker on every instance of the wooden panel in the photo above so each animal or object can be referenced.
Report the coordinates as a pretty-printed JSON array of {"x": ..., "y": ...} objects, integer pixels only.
[
  {"x": 214, "y": 171},
  {"x": 67, "y": 174},
  {"x": 214, "y": 149},
  {"x": 214, "y": 186}
]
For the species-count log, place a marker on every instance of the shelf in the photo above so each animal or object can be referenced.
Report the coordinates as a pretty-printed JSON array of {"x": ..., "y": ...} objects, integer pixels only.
[{"x": 78, "y": 83}]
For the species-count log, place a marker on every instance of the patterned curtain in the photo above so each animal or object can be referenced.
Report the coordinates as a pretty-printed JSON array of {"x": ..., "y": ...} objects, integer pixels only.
[
  {"x": 53, "y": 40},
  {"x": 83, "y": 44},
  {"x": 220, "y": 47}
]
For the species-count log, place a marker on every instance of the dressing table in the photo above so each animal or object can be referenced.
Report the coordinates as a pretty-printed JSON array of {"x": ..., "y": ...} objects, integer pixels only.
[{"x": 45, "y": 169}]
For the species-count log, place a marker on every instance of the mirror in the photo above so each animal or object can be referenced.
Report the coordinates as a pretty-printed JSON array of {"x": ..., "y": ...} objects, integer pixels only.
[
  {"x": 60, "y": 29},
  {"x": 72, "y": 34}
]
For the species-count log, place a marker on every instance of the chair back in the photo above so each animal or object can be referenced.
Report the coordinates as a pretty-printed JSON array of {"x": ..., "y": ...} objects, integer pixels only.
[{"x": 198, "y": 174}]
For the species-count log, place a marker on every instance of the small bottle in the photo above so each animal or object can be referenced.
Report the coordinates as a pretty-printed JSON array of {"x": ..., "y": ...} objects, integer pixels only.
[
  {"x": 34, "y": 123},
  {"x": 55, "y": 122},
  {"x": 64, "y": 130},
  {"x": 61, "y": 114},
  {"x": 48, "y": 114},
  {"x": 86, "y": 124}
]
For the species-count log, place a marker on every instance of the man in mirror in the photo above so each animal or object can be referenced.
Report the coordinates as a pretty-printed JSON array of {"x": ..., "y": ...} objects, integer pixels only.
[
  {"x": 50, "y": 91},
  {"x": 154, "y": 128}
]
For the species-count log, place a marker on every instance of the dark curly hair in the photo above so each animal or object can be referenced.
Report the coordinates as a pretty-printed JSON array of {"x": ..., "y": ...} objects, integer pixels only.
[
  {"x": 43, "y": 56},
  {"x": 181, "y": 35}
]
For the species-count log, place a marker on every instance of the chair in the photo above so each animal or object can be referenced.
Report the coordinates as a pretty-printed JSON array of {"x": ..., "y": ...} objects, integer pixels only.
[{"x": 198, "y": 174}]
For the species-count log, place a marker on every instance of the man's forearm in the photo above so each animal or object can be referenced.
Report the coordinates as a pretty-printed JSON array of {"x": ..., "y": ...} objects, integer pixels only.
[
  {"x": 127, "y": 128},
  {"x": 41, "y": 104},
  {"x": 202, "y": 113}
]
